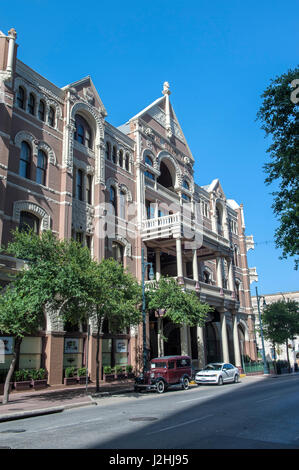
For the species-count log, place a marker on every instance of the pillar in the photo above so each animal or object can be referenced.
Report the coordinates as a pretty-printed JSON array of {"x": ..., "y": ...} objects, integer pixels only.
[
  {"x": 179, "y": 259},
  {"x": 184, "y": 341},
  {"x": 219, "y": 272},
  {"x": 224, "y": 340},
  {"x": 201, "y": 347},
  {"x": 238, "y": 362},
  {"x": 54, "y": 357},
  {"x": 195, "y": 266},
  {"x": 231, "y": 285},
  {"x": 11, "y": 48}
]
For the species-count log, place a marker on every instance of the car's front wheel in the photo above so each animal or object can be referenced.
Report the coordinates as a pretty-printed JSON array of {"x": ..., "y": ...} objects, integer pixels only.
[
  {"x": 160, "y": 386},
  {"x": 185, "y": 384},
  {"x": 220, "y": 380}
]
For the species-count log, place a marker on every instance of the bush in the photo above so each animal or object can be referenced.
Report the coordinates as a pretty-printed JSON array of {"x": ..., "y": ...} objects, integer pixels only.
[
  {"x": 22, "y": 375},
  {"x": 81, "y": 371},
  {"x": 119, "y": 369},
  {"x": 38, "y": 374},
  {"x": 107, "y": 370},
  {"x": 70, "y": 372},
  {"x": 129, "y": 369}
]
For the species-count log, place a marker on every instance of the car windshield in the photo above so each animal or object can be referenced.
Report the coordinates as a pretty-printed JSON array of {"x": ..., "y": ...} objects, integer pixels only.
[
  {"x": 213, "y": 367},
  {"x": 159, "y": 365}
]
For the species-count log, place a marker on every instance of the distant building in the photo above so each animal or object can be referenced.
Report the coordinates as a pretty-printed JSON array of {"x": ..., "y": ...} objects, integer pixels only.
[
  {"x": 61, "y": 161},
  {"x": 279, "y": 349}
]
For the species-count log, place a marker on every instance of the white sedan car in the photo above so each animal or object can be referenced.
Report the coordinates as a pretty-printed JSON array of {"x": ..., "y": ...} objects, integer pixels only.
[{"x": 218, "y": 373}]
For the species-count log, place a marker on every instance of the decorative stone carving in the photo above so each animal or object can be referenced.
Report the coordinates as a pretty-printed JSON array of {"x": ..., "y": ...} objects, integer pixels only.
[
  {"x": 82, "y": 217},
  {"x": 28, "y": 206},
  {"x": 27, "y": 137}
]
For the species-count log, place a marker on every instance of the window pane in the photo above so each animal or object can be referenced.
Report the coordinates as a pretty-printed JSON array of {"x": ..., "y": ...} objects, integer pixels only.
[
  {"x": 25, "y": 159},
  {"x": 51, "y": 117},
  {"x": 31, "y": 103},
  {"x": 28, "y": 221},
  {"x": 80, "y": 185},
  {"x": 41, "y": 167},
  {"x": 89, "y": 189},
  {"x": 20, "y": 98},
  {"x": 41, "y": 111}
]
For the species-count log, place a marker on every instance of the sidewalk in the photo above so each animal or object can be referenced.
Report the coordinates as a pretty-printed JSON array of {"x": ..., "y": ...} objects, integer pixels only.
[{"x": 56, "y": 399}]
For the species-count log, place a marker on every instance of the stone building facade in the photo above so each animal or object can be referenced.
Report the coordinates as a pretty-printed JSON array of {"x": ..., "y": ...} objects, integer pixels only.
[{"x": 64, "y": 167}]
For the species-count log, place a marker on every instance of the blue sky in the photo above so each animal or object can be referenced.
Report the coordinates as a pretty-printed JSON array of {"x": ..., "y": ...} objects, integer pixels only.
[{"x": 218, "y": 58}]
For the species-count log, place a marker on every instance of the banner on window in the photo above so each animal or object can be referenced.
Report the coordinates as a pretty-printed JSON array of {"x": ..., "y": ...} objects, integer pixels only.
[
  {"x": 71, "y": 345},
  {"x": 121, "y": 345}
]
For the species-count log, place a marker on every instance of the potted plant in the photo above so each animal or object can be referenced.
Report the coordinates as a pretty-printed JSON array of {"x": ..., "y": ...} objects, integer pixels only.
[
  {"x": 70, "y": 376},
  {"x": 129, "y": 371},
  {"x": 22, "y": 379},
  {"x": 81, "y": 375},
  {"x": 108, "y": 374},
  {"x": 38, "y": 378},
  {"x": 119, "y": 373}
]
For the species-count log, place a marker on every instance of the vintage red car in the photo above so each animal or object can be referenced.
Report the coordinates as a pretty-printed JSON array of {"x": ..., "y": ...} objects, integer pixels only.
[{"x": 164, "y": 372}]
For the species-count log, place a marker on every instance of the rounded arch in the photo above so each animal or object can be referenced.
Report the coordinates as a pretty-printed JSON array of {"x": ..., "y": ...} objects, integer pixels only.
[
  {"x": 26, "y": 136},
  {"x": 172, "y": 166},
  {"x": 92, "y": 117},
  {"x": 34, "y": 209},
  {"x": 48, "y": 150}
]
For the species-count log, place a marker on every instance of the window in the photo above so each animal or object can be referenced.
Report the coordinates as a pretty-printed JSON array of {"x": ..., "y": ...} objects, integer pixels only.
[
  {"x": 183, "y": 363},
  {"x": 41, "y": 167},
  {"x": 149, "y": 175},
  {"x": 108, "y": 150},
  {"x": 113, "y": 200},
  {"x": 114, "y": 154},
  {"x": 51, "y": 116},
  {"x": 79, "y": 185},
  {"x": 207, "y": 277},
  {"x": 31, "y": 104},
  {"x": 122, "y": 205},
  {"x": 25, "y": 160},
  {"x": 88, "y": 240},
  {"x": 21, "y": 97},
  {"x": 79, "y": 237},
  {"x": 185, "y": 197},
  {"x": 186, "y": 185},
  {"x": 118, "y": 252},
  {"x": 89, "y": 189},
  {"x": 127, "y": 162},
  {"x": 148, "y": 160},
  {"x": 80, "y": 134},
  {"x": 121, "y": 158},
  {"x": 41, "y": 110},
  {"x": 28, "y": 222}
]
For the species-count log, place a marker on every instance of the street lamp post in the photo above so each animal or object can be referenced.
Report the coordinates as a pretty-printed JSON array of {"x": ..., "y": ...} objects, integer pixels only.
[
  {"x": 266, "y": 369},
  {"x": 144, "y": 265}
]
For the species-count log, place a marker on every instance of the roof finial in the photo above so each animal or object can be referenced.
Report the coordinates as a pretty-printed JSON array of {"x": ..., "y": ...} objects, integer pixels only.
[{"x": 166, "y": 90}]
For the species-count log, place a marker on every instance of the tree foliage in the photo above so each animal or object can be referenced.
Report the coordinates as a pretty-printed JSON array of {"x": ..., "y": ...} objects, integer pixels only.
[
  {"x": 281, "y": 321},
  {"x": 182, "y": 308},
  {"x": 279, "y": 117}
]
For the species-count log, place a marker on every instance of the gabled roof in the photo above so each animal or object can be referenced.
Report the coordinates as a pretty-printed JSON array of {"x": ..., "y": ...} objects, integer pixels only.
[
  {"x": 157, "y": 110},
  {"x": 88, "y": 83}
]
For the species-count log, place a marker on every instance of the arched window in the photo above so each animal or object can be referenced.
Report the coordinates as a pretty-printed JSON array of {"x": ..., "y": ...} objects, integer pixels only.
[
  {"x": 185, "y": 197},
  {"x": 121, "y": 158},
  {"x": 148, "y": 160},
  {"x": 41, "y": 110},
  {"x": 127, "y": 162},
  {"x": 122, "y": 205},
  {"x": 51, "y": 116},
  {"x": 41, "y": 167},
  {"x": 186, "y": 185},
  {"x": 25, "y": 160},
  {"x": 118, "y": 252},
  {"x": 113, "y": 200},
  {"x": 237, "y": 289},
  {"x": 28, "y": 222},
  {"x": 31, "y": 103},
  {"x": 89, "y": 189},
  {"x": 114, "y": 154},
  {"x": 83, "y": 133},
  {"x": 108, "y": 150},
  {"x": 219, "y": 220},
  {"x": 21, "y": 97},
  {"x": 165, "y": 178}
]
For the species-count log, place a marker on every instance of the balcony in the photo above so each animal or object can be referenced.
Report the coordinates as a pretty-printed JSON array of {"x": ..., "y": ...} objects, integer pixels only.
[
  {"x": 213, "y": 295},
  {"x": 176, "y": 225}
]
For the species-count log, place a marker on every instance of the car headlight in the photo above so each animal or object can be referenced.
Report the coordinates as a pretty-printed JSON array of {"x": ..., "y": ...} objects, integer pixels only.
[{"x": 213, "y": 375}]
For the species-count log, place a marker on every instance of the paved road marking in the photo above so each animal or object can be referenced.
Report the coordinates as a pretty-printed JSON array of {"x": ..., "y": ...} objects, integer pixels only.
[
  {"x": 65, "y": 425},
  {"x": 181, "y": 424},
  {"x": 194, "y": 399}
]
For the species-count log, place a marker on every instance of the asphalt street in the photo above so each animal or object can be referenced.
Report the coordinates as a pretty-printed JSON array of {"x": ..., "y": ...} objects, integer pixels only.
[{"x": 257, "y": 413}]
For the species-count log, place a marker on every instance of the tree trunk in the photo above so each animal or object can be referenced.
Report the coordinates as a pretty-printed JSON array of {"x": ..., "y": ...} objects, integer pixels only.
[
  {"x": 99, "y": 332},
  {"x": 274, "y": 361},
  {"x": 15, "y": 358},
  {"x": 288, "y": 358}
]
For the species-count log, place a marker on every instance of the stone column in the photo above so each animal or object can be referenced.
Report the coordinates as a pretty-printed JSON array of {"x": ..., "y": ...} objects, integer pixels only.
[
  {"x": 11, "y": 48},
  {"x": 224, "y": 340},
  {"x": 179, "y": 260},
  {"x": 230, "y": 275},
  {"x": 158, "y": 264},
  {"x": 201, "y": 347},
  {"x": 195, "y": 266},
  {"x": 184, "y": 341},
  {"x": 219, "y": 272},
  {"x": 238, "y": 362},
  {"x": 54, "y": 350}
]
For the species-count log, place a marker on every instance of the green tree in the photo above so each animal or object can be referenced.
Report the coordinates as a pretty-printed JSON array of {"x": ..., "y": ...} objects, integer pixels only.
[
  {"x": 57, "y": 275},
  {"x": 115, "y": 295},
  {"x": 180, "y": 306},
  {"x": 281, "y": 322},
  {"x": 279, "y": 117}
]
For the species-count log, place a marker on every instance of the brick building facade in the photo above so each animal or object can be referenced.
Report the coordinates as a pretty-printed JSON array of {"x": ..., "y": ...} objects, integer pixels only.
[{"x": 64, "y": 167}]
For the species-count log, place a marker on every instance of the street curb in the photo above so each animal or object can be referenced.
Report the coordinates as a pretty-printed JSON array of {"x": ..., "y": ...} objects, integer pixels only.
[{"x": 41, "y": 412}]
